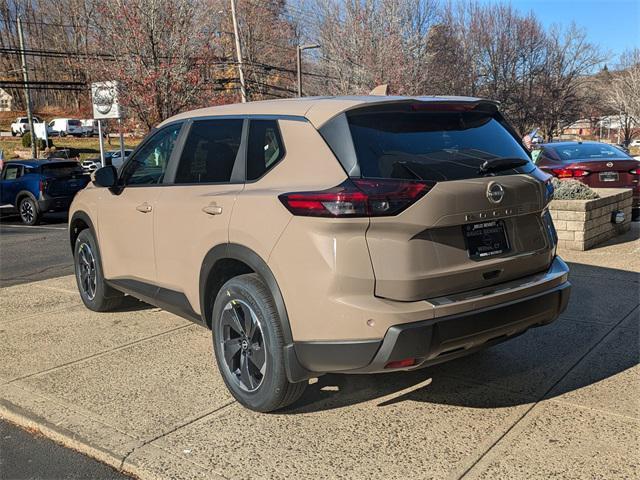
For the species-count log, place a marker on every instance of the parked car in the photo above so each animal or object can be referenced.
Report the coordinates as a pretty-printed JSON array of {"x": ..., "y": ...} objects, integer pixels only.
[
  {"x": 340, "y": 234},
  {"x": 116, "y": 159},
  {"x": 36, "y": 187},
  {"x": 21, "y": 125},
  {"x": 111, "y": 158},
  {"x": 91, "y": 165},
  {"x": 65, "y": 126},
  {"x": 596, "y": 164},
  {"x": 89, "y": 127},
  {"x": 635, "y": 143}
]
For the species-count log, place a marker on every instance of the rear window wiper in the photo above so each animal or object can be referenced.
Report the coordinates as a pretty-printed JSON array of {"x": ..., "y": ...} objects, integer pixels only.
[{"x": 500, "y": 164}]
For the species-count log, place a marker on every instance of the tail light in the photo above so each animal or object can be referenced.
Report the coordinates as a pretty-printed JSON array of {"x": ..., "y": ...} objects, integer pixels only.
[
  {"x": 570, "y": 172},
  {"x": 407, "y": 362},
  {"x": 43, "y": 185},
  {"x": 356, "y": 198}
]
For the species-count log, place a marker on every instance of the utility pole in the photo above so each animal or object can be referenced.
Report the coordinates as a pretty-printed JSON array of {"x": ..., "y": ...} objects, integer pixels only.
[
  {"x": 299, "y": 50},
  {"x": 243, "y": 89},
  {"x": 27, "y": 92}
]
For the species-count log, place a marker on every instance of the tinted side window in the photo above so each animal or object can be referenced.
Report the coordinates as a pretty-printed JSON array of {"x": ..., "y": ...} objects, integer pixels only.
[
  {"x": 149, "y": 164},
  {"x": 210, "y": 151},
  {"x": 11, "y": 172},
  {"x": 265, "y": 147}
]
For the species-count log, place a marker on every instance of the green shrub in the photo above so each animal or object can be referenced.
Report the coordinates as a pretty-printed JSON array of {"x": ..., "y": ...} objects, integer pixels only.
[
  {"x": 572, "y": 190},
  {"x": 40, "y": 143}
]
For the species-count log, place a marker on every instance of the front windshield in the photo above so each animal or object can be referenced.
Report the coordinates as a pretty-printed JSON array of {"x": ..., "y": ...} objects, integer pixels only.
[{"x": 435, "y": 146}]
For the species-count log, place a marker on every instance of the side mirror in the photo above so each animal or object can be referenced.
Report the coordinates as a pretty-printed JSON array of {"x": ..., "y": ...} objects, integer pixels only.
[{"x": 106, "y": 177}]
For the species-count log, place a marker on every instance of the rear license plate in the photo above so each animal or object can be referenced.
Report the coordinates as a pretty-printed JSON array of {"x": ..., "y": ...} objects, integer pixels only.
[
  {"x": 608, "y": 176},
  {"x": 486, "y": 239}
]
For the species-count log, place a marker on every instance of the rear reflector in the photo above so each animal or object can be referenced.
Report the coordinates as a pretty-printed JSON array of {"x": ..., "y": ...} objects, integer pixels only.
[
  {"x": 569, "y": 172},
  {"x": 356, "y": 198},
  {"x": 407, "y": 362}
]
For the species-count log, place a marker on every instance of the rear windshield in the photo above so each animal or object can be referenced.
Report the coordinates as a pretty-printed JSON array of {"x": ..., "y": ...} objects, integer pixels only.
[
  {"x": 429, "y": 145},
  {"x": 587, "y": 151},
  {"x": 62, "y": 169}
]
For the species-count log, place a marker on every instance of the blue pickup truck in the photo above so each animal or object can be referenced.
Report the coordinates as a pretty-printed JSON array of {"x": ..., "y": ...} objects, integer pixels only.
[{"x": 35, "y": 187}]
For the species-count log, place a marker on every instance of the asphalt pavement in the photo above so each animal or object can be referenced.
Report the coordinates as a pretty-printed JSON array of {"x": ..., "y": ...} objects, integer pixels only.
[
  {"x": 28, "y": 456},
  {"x": 28, "y": 254},
  {"x": 34, "y": 253}
]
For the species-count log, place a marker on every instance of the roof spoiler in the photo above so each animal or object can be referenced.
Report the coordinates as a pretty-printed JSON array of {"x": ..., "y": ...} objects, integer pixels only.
[{"x": 380, "y": 90}]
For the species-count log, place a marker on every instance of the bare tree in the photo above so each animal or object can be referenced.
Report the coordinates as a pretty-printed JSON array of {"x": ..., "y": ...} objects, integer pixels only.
[
  {"x": 365, "y": 43},
  {"x": 160, "y": 51},
  {"x": 621, "y": 93},
  {"x": 569, "y": 61}
]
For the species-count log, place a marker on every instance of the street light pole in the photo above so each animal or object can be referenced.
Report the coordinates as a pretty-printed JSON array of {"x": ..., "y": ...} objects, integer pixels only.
[
  {"x": 299, "y": 50},
  {"x": 27, "y": 92},
  {"x": 243, "y": 89}
]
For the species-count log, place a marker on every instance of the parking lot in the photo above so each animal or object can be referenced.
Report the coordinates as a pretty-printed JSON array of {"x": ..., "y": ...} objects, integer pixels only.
[
  {"x": 33, "y": 253},
  {"x": 139, "y": 390}
]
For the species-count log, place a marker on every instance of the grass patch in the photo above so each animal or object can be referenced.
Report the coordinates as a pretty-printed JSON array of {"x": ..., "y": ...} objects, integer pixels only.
[{"x": 86, "y": 147}]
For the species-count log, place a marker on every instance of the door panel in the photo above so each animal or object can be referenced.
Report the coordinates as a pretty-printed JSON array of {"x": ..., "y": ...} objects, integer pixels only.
[
  {"x": 126, "y": 218},
  {"x": 126, "y": 234},
  {"x": 193, "y": 214},
  {"x": 190, "y": 220}
]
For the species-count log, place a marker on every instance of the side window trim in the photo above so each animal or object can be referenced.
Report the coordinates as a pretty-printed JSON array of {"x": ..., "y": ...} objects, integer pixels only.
[
  {"x": 174, "y": 160},
  {"x": 238, "y": 174},
  {"x": 150, "y": 136}
]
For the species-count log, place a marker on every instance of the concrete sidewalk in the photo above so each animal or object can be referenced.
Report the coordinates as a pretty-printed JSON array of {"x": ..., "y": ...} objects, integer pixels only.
[{"x": 139, "y": 390}]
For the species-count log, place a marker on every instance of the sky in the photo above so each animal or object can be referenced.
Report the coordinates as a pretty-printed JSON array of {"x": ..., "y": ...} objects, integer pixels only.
[{"x": 612, "y": 24}]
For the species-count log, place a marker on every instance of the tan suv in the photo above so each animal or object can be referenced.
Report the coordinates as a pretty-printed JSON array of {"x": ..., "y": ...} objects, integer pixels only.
[{"x": 352, "y": 234}]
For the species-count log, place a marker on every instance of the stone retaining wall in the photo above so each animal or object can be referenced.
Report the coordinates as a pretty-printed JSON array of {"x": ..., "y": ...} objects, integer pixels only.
[{"x": 582, "y": 224}]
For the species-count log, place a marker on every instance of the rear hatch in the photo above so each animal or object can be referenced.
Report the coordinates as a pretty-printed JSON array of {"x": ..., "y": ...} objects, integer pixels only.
[
  {"x": 62, "y": 179},
  {"x": 469, "y": 228}
]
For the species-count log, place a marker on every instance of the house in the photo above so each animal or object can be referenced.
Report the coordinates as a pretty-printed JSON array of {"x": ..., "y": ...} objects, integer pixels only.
[
  {"x": 581, "y": 128},
  {"x": 6, "y": 101}
]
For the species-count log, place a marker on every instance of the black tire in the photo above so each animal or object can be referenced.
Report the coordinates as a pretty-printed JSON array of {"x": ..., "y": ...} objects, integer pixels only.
[
  {"x": 95, "y": 294},
  {"x": 268, "y": 388},
  {"x": 13, "y": 134},
  {"x": 29, "y": 212}
]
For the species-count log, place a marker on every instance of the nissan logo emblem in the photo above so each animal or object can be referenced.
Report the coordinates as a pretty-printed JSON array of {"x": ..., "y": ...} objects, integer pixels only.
[
  {"x": 609, "y": 164},
  {"x": 495, "y": 192}
]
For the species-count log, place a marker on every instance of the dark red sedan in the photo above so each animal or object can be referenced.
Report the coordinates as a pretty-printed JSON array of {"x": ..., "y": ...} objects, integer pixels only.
[{"x": 597, "y": 164}]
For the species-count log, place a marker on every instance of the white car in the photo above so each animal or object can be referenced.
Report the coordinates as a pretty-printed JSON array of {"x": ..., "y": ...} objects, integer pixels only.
[
  {"x": 65, "y": 126},
  {"x": 635, "y": 143},
  {"x": 90, "y": 127},
  {"x": 21, "y": 125}
]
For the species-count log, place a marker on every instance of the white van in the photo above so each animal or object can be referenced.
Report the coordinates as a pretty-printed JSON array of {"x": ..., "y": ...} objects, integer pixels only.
[{"x": 65, "y": 126}]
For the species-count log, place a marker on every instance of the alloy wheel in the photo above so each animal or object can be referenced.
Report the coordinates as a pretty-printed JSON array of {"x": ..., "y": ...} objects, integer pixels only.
[
  {"x": 242, "y": 344},
  {"x": 27, "y": 212},
  {"x": 87, "y": 271}
]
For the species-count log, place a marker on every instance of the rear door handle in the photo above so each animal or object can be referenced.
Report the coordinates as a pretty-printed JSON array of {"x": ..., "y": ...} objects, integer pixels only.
[
  {"x": 212, "y": 209},
  {"x": 144, "y": 208}
]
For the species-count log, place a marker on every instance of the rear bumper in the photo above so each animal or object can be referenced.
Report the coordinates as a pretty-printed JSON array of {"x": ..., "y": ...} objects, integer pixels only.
[
  {"x": 447, "y": 337},
  {"x": 54, "y": 204}
]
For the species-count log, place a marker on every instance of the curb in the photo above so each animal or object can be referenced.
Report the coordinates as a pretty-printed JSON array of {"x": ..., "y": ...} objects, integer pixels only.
[{"x": 62, "y": 436}]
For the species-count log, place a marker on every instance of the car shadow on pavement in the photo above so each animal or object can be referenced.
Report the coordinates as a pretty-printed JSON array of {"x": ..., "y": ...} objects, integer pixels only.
[
  {"x": 601, "y": 321},
  {"x": 11, "y": 217},
  {"x": 132, "y": 304}
]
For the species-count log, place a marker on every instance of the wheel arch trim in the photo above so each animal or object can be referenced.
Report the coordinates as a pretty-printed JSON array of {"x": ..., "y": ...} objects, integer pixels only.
[
  {"x": 295, "y": 372},
  {"x": 73, "y": 235}
]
